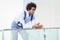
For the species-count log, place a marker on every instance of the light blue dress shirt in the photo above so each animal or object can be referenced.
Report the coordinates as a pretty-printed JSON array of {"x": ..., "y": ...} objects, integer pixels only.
[{"x": 25, "y": 23}]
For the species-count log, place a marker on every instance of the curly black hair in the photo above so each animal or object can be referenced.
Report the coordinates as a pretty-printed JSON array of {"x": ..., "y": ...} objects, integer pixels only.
[{"x": 30, "y": 5}]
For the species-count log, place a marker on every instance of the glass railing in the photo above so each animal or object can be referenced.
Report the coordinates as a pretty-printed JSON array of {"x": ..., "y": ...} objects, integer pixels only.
[{"x": 30, "y": 34}]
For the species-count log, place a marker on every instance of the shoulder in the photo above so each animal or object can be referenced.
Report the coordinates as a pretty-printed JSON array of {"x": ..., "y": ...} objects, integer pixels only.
[{"x": 19, "y": 16}]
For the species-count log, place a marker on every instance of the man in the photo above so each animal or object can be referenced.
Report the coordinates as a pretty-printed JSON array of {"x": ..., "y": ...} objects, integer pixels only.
[{"x": 25, "y": 20}]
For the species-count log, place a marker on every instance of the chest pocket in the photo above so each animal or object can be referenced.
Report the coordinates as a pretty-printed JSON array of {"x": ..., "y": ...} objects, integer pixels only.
[{"x": 26, "y": 18}]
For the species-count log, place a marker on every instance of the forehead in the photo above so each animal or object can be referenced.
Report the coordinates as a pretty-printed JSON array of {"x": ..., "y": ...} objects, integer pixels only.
[{"x": 33, "y": 8}]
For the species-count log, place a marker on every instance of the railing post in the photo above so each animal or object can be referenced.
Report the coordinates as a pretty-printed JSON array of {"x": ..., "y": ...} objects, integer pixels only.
[
  {"x": 2, "y": 34},
  {"x": 44, "y": 34}
]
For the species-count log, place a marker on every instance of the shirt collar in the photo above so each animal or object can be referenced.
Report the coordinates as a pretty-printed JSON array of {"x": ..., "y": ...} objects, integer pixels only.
[{"x": 27, "y": 13}]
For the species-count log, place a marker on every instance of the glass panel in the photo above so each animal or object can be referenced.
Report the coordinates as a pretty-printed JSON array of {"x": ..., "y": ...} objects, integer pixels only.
[
  {"x": 58, "y": 35},
  {"x": 33, "y": 34},
  {"x": 29, "y": 34},
  {"x": 51, "y": 34}
]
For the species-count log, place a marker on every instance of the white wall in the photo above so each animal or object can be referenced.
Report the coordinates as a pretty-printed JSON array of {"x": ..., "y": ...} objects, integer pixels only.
[{"x": 8, "y": 11}]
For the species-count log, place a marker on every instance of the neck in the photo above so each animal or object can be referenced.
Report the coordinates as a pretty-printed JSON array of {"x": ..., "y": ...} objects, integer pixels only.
[{"x": 29, "y": 12}]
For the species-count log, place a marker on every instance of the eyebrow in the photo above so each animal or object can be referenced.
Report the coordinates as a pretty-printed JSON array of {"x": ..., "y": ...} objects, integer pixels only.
[{"x": 33, "y": 9}]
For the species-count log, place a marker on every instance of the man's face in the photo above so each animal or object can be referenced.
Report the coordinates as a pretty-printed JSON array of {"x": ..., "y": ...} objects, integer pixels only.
[{"x": 32, "y": 10}]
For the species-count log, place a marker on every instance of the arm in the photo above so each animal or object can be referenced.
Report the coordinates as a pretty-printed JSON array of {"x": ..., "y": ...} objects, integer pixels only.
[{"x": 31, "y": 24}]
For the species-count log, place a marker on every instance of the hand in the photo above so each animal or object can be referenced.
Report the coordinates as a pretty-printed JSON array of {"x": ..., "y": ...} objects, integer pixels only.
[{"x": 38, "y": 26}]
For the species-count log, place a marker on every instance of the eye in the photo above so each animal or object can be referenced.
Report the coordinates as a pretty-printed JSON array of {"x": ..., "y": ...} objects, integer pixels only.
[{"x": 34, "y": 9}]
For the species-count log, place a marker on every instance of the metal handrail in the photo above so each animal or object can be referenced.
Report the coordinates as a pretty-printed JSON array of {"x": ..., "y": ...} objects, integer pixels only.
[{"x": 30, "y": 28}]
